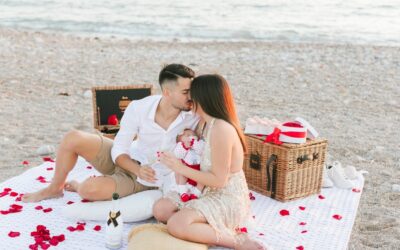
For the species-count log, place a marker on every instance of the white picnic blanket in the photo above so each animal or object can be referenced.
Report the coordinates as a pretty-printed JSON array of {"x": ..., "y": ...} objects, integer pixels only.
[{"x": 311, "y": 227}]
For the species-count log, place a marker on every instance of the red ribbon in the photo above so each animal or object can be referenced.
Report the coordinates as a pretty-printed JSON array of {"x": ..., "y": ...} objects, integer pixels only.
[
  {"x": 274, "y": 137},
  {"x": 295, "y": 134}
]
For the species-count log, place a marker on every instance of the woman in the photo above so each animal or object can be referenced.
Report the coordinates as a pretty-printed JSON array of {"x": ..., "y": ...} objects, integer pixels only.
[{"x": 224, "y": 205}]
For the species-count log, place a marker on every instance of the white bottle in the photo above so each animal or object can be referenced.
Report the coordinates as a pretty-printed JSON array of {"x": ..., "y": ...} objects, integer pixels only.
[{"x": 114, "y": 225}]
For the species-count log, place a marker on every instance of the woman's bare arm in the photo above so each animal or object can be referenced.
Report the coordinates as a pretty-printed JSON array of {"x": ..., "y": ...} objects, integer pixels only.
[{"x": 221, "y": 143}]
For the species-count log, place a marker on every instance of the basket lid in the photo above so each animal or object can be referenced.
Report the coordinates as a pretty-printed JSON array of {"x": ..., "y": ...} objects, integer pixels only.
[{"x": 309, "y": 142}]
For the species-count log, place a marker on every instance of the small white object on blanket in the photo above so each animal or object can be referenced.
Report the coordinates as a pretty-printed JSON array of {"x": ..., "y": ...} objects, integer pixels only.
[{"x": 135, "y": 207}]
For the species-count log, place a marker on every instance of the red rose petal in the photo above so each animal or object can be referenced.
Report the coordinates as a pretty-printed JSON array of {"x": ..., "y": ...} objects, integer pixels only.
[
  {"x": 40, "y": 228},
  {"x": 356, "y": 190},
  {"x": 302, "y": 208},
  {"x": 13, "y": 234},
  {"x": 3, "y": 194},
  {"x": 89, "y": 167},
  {"x": 40, "y": 178},
  {"x": 300, "y": 248},
  {"x": 39, "y": 239},
  {"x": 33, "y": 247},
  {"x": 321, "y": 196},
  {"x": 337, "y": 217},
  {"x": 4, "y": 212},
  {"x": 71, "y": 229},
  {"x": 13, "y": 194},
  {"x": 15, "y": 206},
  {"x": 81, "y": 223},
  {"x": 43, "y": 181},
  {"x": 261, "y": 234},
  {"x": 97, "y": 228},
  {"x": 302, "y": 223},
  {"x": 70, "y": 202},
  {"x": 250, "y": 194},
  {"x": 85, "y": 200},
  {"x": 284, "y": 212},
  {"x": 25, "y": 163},
  {"x": 7, "y": 189},
  {"x": 14, "y": 210},
  {"x": 80, "y": 227},
  {"x": 243, "y": 230},
  {"x": 49, "y": 169},
  {"x": 304, "y": 231},
  {"x": 44, "y": 246},
  {"x": 18, "y": 199},
  {"x": 38, "y": 207},
  {"x": 47, "y": 210},
  {"x": 60, "y": 238},
  {"x": 54, "y": 241},
  {"x": 48, "y": 159}
]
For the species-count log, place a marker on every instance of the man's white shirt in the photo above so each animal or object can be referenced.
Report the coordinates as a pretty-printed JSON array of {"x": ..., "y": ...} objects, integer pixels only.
[{"x": 139, "y": 120}]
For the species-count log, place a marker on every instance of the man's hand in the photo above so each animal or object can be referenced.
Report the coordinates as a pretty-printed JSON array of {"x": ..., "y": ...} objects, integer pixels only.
[{"x": 147, "y": 173}]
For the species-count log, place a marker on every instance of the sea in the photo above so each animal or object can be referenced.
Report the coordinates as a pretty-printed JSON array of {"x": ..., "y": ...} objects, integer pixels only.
[{"x": 297, "y": 21}]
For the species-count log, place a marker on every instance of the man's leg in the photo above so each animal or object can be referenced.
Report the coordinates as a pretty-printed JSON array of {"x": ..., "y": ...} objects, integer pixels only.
[
  {"x": 75, "y": 143},
  {"x": 97, "y": 188}
]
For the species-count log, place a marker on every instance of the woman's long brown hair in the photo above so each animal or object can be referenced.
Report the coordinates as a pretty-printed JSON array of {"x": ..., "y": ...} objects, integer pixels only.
[{"x": 213, "y": 94}]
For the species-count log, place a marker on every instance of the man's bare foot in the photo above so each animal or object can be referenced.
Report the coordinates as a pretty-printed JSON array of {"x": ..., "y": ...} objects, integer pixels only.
[
  {"x": 71, "y": 186},
  {"x": 43, "y": 194},
  {"x": 250, "y": 244}
]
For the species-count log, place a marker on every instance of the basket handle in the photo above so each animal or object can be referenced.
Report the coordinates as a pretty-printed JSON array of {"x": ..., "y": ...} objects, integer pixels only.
[
  {"x": 255, "y": 160},
  {"x": 271, "y": 182},
  {"x": 304, "y": 158}
]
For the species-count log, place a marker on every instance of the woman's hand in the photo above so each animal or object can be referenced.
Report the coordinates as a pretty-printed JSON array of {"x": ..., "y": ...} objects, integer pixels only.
[{"x": 171, "y": 161}]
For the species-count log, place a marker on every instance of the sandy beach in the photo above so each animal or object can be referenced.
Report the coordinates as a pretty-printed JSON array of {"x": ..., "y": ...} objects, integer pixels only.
[{"x": 350, "y": 93}]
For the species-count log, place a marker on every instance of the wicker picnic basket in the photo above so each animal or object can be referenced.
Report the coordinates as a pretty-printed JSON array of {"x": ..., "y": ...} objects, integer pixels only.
[
  {"x": 113, "y": 100},
  {"x": 287, "y": 171}
]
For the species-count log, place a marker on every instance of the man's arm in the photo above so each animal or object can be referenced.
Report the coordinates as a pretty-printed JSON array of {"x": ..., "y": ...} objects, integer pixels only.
[{"x": 129, "y": 128}]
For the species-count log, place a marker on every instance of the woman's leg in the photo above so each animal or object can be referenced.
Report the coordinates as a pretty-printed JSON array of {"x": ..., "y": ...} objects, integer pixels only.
[
  {"x": 163, "y": 209},
  {"x": 188, "y": 225}
]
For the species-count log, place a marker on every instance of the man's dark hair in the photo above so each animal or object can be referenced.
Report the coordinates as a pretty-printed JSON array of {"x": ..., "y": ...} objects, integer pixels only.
[{"x": 173, "y": 71}]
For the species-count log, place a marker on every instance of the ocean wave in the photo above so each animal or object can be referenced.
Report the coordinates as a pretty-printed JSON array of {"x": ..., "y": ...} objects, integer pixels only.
[{"x": 288, "y": 20}]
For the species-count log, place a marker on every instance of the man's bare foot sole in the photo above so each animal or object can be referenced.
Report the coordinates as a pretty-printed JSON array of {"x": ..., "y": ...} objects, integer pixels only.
[
  {"x": 43, "y": 194},
  {"x": 71, "y": 186}
]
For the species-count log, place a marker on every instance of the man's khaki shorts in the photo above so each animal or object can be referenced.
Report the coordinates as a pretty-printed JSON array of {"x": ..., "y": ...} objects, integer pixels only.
[{"x": 126, "y": 183}]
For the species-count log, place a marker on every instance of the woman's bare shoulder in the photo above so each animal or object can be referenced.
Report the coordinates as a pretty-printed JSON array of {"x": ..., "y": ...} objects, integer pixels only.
[{"x": 223, "y": 128}]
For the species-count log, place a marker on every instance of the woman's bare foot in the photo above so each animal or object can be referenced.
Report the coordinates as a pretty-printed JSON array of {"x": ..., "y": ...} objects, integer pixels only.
[
  {"x": 249, "y": 244},
  {"x": 71, "y": 186},
  {"x": 43, "y": 194}
]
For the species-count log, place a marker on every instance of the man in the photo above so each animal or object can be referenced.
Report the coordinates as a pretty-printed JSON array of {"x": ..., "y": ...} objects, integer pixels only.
[{"x": 155, "y": 120}]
